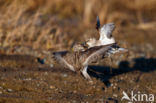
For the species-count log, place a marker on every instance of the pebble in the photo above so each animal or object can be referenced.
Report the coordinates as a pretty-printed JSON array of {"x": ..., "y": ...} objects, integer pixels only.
[
  {"x": 9, "y": 90},
  {"x": 51, "y": 65},
  {"x": 52, "y": 87},
  {"x": 74, "y": 101},
  {"x": 74, "y": 91},
  {"x": 114, "y": 87},
  {"x": 0, "y": 92},
  {"x": 122, "y": 78},
  {"x": 65, "y": 75},
  {"x": 38, "y": 85},
  {"x": 1, "y": 87},
  {"x": 28, "y": 79},
  {"x": 3, "y": 84},
  {"x": 115, "y": 95},
  {"x": 45, "y": 73},
  {"x": 98, "y": 89}
]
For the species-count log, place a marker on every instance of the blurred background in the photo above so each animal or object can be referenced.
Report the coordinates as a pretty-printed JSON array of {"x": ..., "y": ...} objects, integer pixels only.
[
  {"x": 58, "y": 24},
  {"x": 29, "y": 27}
]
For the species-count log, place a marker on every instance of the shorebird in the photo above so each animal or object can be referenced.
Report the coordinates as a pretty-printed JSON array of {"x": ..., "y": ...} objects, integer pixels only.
[
  {"x": 105, "y": 38},
  {"x": 105, "y": 33},
  {"x": 80, "y": 47},
  {"x": 78, "y": 61},
  {"x": 90, "y": 51}
]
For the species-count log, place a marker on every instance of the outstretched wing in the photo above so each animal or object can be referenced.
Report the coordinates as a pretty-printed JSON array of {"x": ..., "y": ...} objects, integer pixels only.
[
  {"x": 97, "y": 23},
  {"x": 61, "y": 60},
  {"x": 96, "y": 52},
  {"x": 107, "y": 30}
]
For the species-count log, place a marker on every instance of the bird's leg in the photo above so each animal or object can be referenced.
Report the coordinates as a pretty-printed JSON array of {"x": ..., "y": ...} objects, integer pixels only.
[{"x": 85, "y": 74}]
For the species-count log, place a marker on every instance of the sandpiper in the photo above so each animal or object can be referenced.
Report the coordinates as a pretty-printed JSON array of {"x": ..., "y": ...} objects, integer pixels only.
[
  {"x": 105, "y": 33},
  {"x": 106, "y": 37},
  {"x": 80, "y": 47},
  {"x": 90, "y": 51},
  {"x": 78, "y": 61}
]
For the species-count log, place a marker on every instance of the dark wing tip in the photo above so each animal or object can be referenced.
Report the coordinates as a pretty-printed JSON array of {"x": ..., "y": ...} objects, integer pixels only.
[{"x": 97, "y": 23}]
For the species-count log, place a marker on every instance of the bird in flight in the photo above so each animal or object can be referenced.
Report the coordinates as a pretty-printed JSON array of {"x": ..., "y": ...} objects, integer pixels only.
[
  {"x": 106, "y": 37},
  {"x": 78, "y": 61},
  {"x": 105, "y": 33},
  {"x": 90, "y": 51}
]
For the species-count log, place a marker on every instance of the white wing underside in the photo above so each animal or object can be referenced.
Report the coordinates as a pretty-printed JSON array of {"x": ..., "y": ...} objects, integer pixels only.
[{"x": 106, "y": 34}]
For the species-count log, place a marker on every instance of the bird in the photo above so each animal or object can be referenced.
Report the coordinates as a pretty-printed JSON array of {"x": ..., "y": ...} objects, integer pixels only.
[
  {"x": 79, "y": 47},
  {"x": 115, "y": 49},
  {"x": 78, "y": 61},
  {"x": 105, "y": 38},
  {"x": 105, "y": 33},
  {"x": 105, "y": 30},
  {"x": 90, "y": 51}
]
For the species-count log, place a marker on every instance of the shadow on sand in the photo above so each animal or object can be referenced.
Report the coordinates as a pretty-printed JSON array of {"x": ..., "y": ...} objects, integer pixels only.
[{"x": 104, "y": 73}]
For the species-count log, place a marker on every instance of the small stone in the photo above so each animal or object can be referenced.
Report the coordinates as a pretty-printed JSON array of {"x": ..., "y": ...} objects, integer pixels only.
[
  {"x": 90, "y": 82},
  {"x": 74, "y": 101},
  {"x": 0, "y": 92},
  {"x": 46, "y": 73},
  {"x": 28, "y": 79},
  {"x": 3, "y": 84},
  {"x": 65, "y": 75},
  {"x": 121, "y": 78},
  {"x": 52, "y": 87},
  {"x": 51, "y": 65},
  {"x": 98, "y": 89},
  {"x": 9, "y": 90},
  {"x": 74, "y": 91},
  {"x": 114, "y": 87},
  {"x": 38, "y": 85},
  {"x": 115, "y": 95}
]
